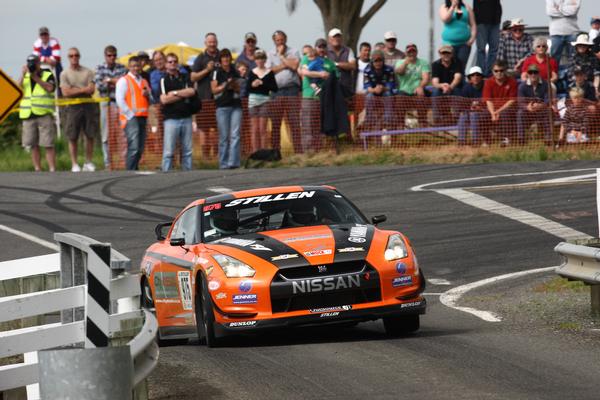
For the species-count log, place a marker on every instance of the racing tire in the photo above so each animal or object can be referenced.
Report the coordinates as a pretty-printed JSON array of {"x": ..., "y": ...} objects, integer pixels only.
[
  {"x": 401, "y": 325},
  {"x": 205, "y": 317}
]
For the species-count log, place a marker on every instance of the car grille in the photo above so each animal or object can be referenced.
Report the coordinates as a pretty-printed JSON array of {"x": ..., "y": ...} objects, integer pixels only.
[
  {"x": 284, "y": 300},
  {"x": 310, "y": 271}
]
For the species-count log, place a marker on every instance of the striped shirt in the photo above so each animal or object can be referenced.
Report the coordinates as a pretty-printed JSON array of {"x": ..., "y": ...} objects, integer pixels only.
[
  {"x": 511, "y": 50},
  {"x": 49, "y": 51}
]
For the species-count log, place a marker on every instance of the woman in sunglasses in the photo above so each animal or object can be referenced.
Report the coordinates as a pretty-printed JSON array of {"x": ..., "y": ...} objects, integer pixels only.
[{"x": 547, "y": 65}]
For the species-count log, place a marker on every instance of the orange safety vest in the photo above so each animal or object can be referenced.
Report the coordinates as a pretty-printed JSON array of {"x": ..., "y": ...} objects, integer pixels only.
[{"x": 135, "y": 99}]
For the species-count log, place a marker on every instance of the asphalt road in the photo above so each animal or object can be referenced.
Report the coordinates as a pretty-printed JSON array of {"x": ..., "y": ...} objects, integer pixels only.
[{"x": 455, "y": 355}]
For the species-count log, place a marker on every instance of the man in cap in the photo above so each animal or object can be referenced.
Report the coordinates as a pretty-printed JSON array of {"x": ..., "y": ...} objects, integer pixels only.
[
  {"x": 446, "y": 73},
  {"x": 585, "y": 59},
  {"x": 392, "y": 54},
  {"x": 48, "y": 50},
  {"x": 380, "y": 85},
  {"x": 247, "y": 54},
  {"x": 533, "y": 105},
  {"x": 343, "y": 57},
  {"x": 579, "y": 79},
  {"x": 594, "y": 28},
  {"x": 413, "y": 74},
  {"x": 474, "y": 109},
  {"x": 563, "y": 25},
  {"x": 37, "y": 112},
  {"x": 515, "y": 47}
]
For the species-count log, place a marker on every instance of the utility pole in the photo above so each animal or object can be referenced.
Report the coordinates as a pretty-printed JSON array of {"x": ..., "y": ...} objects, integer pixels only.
[{"x": 431, "y": 31}]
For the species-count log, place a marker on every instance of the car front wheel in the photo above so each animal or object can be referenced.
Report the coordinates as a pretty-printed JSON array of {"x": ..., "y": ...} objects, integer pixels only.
[{"x": 205, "y": 317}]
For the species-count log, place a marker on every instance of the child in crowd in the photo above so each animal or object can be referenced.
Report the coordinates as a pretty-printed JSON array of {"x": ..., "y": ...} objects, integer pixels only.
[
  {"x": 574, "y": 124},
  {"x": 242, "y": 68},
  {"x": 595, "y": 28},
  {"x": 316, "y": 64}
]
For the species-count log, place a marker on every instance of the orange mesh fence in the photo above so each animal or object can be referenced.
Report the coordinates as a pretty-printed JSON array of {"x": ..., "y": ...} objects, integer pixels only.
[{"x": 293, "y": 125}]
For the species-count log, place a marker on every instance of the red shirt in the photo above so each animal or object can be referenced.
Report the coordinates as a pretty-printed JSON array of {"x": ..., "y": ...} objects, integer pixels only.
[
  {"x": 499, "y": 94},
  {"x": 542, "y": 66}
]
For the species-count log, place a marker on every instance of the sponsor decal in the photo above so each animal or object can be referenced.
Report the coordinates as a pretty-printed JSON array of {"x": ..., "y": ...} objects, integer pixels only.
[
  {"x": 185, "y": 289},
  {"x": 350, "y": 249},
  {"x": 245, "y": 286},
  {"x": 166, "y": 301},
  {"x": 270, "y": 197},
  {"x": 402, "y": 281},
  {"x": 241, "y": 323},
  {"x": 213, "y": 285},
  {"x": 412, "y": 304},
  {"x": 245, "y": 298},
  {"x": 322, "y": 268},
  {"x": 284, "y": 257},
  {"x": 358, "y": 233},
  {"x": 331, "y": 309},
  {"x": 325, "y": 284},
  {"x": 211, "y": 207},
  {"x": 221, "y": 296},
  {"x": 302, "y": 238},
  {"x": 165, "y": 285},
  {"x": 243, "y": 243},
  {"x": 330, "y": 314},
  {"x": 314, "y": 253},
  {"x": 401, "y": 268}
]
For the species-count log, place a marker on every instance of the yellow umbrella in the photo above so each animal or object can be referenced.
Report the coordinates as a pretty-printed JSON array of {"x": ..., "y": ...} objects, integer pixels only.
[{"x": 185, "y": 52}]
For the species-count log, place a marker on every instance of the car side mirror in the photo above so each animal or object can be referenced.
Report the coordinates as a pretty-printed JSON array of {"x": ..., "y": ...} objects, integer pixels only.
[
  {"x": 378, "y": 219},
  {"x": 177, "y": 241},
  {"x": 159, "y": 231}
]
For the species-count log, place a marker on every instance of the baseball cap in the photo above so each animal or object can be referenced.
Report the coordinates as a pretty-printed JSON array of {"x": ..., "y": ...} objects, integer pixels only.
[
  {"x": 411, "y": 46},
  {"x": 533, "y": 67},
  {"x": 250, "y": 35},
  {"x": 475, "y": 70},
  {"x": 334, "y": 32},
  {"x": 446, "y": 48},
  {"x": 320, "y": 42},
  {"x": 390, "y": 35},
  {"x": 44, "y": 29}
]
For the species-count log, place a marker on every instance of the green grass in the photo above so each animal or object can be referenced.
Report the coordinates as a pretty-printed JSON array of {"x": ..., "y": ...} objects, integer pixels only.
[{"x": 559, "y": 285}]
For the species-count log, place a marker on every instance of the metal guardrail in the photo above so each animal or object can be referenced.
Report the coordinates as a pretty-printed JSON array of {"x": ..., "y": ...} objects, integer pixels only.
[
  {"x": 582, "y": 263},
  {"x": 78, "y": 260}
]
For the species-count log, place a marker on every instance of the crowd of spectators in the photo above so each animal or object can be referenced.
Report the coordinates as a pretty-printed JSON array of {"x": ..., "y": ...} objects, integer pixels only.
[{"x": 512, "y": 85}]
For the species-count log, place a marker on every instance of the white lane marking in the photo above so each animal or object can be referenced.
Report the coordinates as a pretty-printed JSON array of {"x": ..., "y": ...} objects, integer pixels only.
[
  {"x": 438, "y": 282},
  {"x": 525, "y": 217},
  {"x": 219, "y": 189},
  {"x": 29, "y": 237},
  {"x": 451, "y": 297},
  {"x": 421, "y": 188},
  {"x": 145, "y": 172}
]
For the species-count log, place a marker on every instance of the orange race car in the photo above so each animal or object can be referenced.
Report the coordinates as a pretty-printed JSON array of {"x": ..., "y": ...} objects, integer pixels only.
[{"x": 278, "y": 257}]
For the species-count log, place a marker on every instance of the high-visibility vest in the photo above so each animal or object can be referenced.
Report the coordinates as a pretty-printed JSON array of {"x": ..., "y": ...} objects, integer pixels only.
[
  {"x": 39, "y": 102},
  {"x": 135, "y": 99}
]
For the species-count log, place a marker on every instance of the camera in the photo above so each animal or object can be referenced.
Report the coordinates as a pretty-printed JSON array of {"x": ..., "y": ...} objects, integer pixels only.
[{"x": 31, "y": 63}]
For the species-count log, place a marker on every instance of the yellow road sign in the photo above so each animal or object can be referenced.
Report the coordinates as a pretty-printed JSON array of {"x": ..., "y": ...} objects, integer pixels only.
[{"x": 11, "y": 95}]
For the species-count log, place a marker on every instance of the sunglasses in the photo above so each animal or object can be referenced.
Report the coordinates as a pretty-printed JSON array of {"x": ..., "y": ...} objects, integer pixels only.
[
  {"x": 476, "y": 74},
  {"x": 391, "y": 40},
  {"x": 323, "y": 46},
  {"x": 74, "y": 56},
  {"x": 533, "y": 72},
  {"x": 445, "y": 52}
]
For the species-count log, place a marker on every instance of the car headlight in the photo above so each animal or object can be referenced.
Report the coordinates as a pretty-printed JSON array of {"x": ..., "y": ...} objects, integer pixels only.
[
  {"x": 234, "y": 268},
  {"x": 396, "y": 248}
]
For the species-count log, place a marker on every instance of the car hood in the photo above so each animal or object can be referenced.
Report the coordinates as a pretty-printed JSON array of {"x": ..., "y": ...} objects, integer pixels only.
[{"x": 313, "y": 245}]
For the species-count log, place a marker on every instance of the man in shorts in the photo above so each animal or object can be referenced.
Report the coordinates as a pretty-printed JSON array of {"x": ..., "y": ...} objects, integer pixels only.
[
  {"x": 77, "y": 82},
  {"x": 36, "y": 111}
]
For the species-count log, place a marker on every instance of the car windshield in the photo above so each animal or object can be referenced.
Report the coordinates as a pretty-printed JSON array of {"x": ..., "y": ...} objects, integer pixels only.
[{"x": 277, "y": 211}]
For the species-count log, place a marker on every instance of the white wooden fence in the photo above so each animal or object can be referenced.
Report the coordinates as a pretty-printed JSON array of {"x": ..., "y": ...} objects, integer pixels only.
[{"x": 71, "y": 301}]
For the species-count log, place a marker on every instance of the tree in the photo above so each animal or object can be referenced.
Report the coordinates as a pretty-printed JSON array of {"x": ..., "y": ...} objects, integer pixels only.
[{"x": 345, "y": 15}]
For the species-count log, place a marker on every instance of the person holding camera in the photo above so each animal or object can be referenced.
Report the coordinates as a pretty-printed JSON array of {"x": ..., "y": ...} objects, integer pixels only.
[
  {"x": 225, "y": 87},
  {"x": 176, "y": 93},
  {"x": 37, "y": 112}
]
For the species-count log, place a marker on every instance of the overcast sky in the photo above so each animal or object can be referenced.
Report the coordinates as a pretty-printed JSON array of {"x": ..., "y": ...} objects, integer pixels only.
[{"x": 135, "y": 25}]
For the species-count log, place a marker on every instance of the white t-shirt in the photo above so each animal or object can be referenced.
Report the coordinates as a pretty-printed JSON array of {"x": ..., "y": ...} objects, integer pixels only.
[
  {"x": 593, "y": 34},
  {"x": 360, "y": 76}
]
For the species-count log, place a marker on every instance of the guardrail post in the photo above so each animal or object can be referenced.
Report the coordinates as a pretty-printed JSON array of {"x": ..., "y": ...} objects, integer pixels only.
[
  {"x": 102, "y": 373},
  {"x": 595, "y": 293},
  {"x": 72, "y": 273}
]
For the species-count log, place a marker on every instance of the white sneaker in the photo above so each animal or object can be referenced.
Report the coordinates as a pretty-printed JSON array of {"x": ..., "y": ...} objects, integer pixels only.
[
  {"x": 89, "y": 167},
  {"x": 75, "y": 168}
]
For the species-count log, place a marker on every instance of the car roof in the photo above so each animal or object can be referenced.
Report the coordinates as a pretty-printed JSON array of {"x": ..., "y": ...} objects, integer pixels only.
[{"x": 256, "y": 192}]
